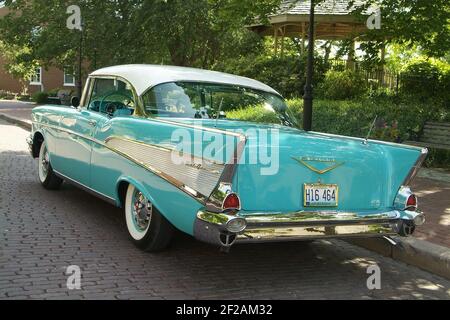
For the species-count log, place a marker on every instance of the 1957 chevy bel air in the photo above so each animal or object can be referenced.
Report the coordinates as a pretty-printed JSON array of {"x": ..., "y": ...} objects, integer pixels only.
[{"x": 156, "y": 140}]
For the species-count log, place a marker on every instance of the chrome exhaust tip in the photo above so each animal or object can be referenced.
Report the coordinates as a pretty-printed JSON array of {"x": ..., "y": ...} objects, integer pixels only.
[
  {"x": 406, "y": 228},
  {"x": 227, "y": 240}
]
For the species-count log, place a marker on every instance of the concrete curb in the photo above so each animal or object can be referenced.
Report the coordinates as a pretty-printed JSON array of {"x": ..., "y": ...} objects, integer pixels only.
[
  {"x": 20, "y": 122},
  {"x": 422, "y": 254},
  {"x": 419, "y": 253}
]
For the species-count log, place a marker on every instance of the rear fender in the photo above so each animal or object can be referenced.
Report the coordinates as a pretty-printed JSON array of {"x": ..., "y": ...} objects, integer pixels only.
[{"x": 137, "y": 185}]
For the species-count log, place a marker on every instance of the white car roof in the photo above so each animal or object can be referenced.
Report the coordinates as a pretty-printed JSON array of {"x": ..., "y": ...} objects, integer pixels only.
[{"x": 143, "y": 76}]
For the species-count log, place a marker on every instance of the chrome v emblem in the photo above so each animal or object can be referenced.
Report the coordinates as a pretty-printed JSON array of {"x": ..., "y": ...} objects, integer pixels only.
[{"x": 306, "y": 161}]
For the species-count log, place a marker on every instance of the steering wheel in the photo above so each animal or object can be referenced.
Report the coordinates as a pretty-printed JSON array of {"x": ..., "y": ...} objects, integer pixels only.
[{"x": 114, "y": 106}]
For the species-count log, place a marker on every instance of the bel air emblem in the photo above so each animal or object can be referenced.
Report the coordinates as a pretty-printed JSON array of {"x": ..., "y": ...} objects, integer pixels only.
[{"x": 327, "y": 164}]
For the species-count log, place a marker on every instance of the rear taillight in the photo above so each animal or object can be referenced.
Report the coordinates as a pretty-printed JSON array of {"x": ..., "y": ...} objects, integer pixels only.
[
  {"x": 411, "y": 203},
  {"x": 231, "y": 202}
]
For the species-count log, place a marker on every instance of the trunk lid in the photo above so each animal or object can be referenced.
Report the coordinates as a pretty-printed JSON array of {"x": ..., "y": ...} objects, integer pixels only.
[{"x": 368, "y": 176}]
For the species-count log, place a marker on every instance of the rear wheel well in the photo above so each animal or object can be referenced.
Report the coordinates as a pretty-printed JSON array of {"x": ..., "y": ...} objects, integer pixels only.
[
  {"x": 37, "y": 142},
  {"x": 122, "y": 192}
]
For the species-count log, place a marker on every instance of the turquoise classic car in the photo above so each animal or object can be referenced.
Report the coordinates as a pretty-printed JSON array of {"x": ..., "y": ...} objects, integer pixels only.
[{"x": 161, "y": 143}]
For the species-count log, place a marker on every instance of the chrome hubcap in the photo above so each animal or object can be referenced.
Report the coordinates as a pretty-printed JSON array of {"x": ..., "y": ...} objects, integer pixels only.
[
  {"x": 142, "y": 211},
  {"x": 45, "y": 163}
]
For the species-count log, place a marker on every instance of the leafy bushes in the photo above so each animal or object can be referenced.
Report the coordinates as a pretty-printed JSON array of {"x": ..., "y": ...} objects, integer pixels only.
[
  {"x": 397, "y": 120},
  {"x": 23, "y": 97},
  {"x": 421, "y": 79},
  {"x": 7, "y": 95},
  {"x": 253, "y": 114},
  {"x": 438, "y": 158},
  {"x": 285, "y": 74},
  {"x": 40, "y": 97},
  {"x": 54, "y": 92},
  {"x": 427, "y": 80},
  {"x": 342, "y": 85}
]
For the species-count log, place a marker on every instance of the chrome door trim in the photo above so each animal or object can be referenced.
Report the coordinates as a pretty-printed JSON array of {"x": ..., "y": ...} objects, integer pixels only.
[
  {"x": 181, "y": 186},
  {"x": 212, "y": 201},
  {"x": 68, "y": 131}
]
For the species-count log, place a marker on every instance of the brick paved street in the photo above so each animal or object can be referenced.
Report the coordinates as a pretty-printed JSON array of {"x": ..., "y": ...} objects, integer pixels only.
[{"x": 41, "y": 233}]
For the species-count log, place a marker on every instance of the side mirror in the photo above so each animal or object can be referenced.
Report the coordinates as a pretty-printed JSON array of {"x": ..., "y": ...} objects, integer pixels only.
[{"x": 75, "y": 102}]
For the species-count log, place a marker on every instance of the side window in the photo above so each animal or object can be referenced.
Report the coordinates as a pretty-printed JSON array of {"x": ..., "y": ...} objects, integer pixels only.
[{"x": 112, "y": 97}]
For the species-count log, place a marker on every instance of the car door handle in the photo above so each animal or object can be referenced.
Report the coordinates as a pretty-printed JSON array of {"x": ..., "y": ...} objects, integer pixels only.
[{"x": 92, "y": 123}]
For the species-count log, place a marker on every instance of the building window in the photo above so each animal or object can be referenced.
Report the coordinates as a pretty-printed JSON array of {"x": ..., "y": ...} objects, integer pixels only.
[
  {"x": 69, "y": 77},
  {"x": 36, "y": 79}
]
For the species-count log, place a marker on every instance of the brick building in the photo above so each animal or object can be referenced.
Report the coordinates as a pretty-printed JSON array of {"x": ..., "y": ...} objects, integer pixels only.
[{"x": 43, "y": 80}]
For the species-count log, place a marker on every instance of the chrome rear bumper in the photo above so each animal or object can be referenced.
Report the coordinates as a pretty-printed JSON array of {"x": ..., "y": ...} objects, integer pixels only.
[{"x": 215, "y": 228}]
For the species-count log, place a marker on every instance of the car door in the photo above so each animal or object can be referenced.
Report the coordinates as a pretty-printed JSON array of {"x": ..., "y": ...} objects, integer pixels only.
[
  {"x": 75, "y": 145},
  {"x": 115, "y": 99}
]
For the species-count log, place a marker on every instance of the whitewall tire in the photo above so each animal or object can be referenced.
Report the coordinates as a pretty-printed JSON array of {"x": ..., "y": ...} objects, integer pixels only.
[
  {"x": 46, "y": 174},
  {"x": 147, "y": 228}
]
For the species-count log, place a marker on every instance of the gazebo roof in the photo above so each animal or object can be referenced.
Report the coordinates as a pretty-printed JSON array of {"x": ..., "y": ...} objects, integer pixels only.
[
  {"x": 334, "y": 20},
  {"x": 335, "y": 7}
]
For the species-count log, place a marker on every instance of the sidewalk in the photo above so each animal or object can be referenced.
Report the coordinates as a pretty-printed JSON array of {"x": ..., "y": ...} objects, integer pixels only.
[
  {"x": 18, "y": 112},
  {"x": 431, "y": 186}
]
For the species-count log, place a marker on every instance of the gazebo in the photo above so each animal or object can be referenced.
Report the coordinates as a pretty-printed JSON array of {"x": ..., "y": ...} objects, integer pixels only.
[
  {"x": 333, "y": 21},
  {"x": 323, "y": 20}
]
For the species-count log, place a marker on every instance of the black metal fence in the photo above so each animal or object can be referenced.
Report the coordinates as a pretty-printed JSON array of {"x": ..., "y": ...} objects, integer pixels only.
[{"x": 375, "y": 78}]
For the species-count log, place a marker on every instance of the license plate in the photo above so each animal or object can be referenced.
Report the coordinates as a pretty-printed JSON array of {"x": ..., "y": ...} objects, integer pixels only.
[{"x": 321, "y": 195}]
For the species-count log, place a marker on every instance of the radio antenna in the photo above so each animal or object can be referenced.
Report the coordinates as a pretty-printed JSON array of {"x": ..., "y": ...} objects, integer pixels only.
[{"x": 370, "y": 130}]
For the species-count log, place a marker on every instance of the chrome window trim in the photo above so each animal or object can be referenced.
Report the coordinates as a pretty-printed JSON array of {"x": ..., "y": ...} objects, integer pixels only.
[
  {"x": 211, "y": 83},
  {"x": 92, "y": 79},
  {"x": 86, "y": 92}
]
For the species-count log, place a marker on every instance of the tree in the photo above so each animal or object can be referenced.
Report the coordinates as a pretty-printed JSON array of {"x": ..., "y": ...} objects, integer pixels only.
[
  {"x": 422, "y": 23},
  {"x": 19, "y": 62},
  {"x": 181, "y": 32}
]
